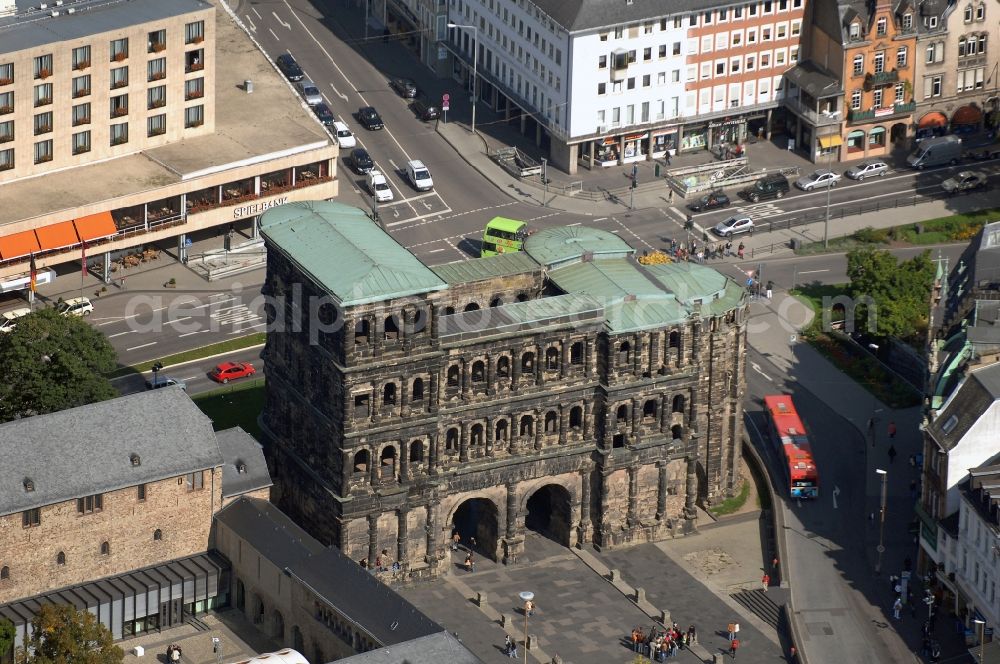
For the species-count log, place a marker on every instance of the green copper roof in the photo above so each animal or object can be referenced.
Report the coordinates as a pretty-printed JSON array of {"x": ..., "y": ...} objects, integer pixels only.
[
  {"x": 346, "y": 253},
  {"x": 478, "y": 269},
  {"x": 568, "y": 310},
  {"x": 690, "y": 281},
  {"x": 553, "y": 247}
]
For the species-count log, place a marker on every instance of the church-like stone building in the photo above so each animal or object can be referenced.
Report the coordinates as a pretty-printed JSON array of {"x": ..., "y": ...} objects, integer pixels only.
[{"x": 565, "y": 388}]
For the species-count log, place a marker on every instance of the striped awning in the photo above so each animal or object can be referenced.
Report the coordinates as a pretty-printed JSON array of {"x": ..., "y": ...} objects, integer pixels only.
[{"x": 831, "y": 141}]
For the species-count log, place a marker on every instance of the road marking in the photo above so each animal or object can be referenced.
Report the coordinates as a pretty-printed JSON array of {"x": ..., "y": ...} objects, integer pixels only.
[
  {"x": 393, "y": 164},
  {"x": 188, "y": 334},
  {"x": 276, "y": 37},
  {"x": 601, "y": 219},
  {"x": 338, "y": 93},
  {"x": 420, "y": 216},
  {"x": 813, "y": 271},
  {"x": 835, "y": 493},
  {"x": 434, "y": 251},
  {"x": 756, "y": 367},
  {"x": 576, "y": 224},
  {"x": 250, "y": 21},
  {"x": 630, "y": 232},
  {"x": 112, "y": 336},
  {"x": 152, "y": 343},
  {"x": 187, "y": 378},
  {"x": 254, "y": 10},
  {"x": 283, "y": 24}
]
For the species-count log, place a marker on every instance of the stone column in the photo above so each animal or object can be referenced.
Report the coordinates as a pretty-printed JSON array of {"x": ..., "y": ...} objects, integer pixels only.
[
  {"x": 348, "y": 471},
  {"x": 431, "y": 556},
  {"x": 564, "y": 360},
  {"x": 511, "y": 510},
  {"x": 588, "y": 414},
  {"x": 661, "y": 491},
  {"x": 691, "y": 489},
  {"x": 514, "y": 435},
  {"x": 463, "y": 442},
  {"x": 588, "y": 349},
  {"x": 401, "y": 536},
  {"x": 515, "y": 372},
  {"x": 372, "y": 539},
  {"x": 432, "y": 453},
  {"x": 584, "y": 527},
  {"x": 633, "y": 496},
  {"x": 491, "y": 376},
  {"x": 373, "y": 464},
  {"x": 563, "y": 423},
  {"x": 602, "y": 523},
  {"x": 490, "y": 430},
  {"x": 466, "y": 386},
  {"x": 378, "y": 330},
  {"x": 404, "y": 461},
  {"x": 539, "y": 428}
]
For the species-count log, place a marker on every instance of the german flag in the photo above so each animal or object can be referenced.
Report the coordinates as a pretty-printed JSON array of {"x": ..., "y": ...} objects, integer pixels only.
[{"x": 33, "y": 273}]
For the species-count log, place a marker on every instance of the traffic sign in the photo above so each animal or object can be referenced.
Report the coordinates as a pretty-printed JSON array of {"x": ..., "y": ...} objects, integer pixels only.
[
  {"x": 445, "y": 97},
  {"x": 880, "y": 548},
  {"x": 445, "y": 106}
]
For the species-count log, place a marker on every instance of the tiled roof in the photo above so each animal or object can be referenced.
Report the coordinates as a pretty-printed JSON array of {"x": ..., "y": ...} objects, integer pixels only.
[{"x": 244, "y": 469}]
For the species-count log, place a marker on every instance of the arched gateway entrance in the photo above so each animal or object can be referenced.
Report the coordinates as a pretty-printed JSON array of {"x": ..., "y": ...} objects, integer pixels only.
[
  {"x": 479, "y": 518},
  {"x": 549, "y": 513}
]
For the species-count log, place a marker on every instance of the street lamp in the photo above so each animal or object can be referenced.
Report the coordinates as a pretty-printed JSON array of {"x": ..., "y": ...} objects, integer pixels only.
[
  {"x": 881, "y": 525},
  {"x": 982, "y": 637},
  {"x": 829, "y": 189},
  {"x": 475, "y": 66},
  {"x": 526, "y": 597}
]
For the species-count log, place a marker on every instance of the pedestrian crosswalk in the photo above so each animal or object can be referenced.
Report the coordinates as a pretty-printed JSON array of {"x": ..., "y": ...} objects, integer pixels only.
[{"x": 761, "y": 210}]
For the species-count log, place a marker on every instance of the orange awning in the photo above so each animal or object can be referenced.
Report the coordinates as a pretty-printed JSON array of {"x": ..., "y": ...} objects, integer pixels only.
[
  {"x": 933, "y": 119},
  {"x": 57, "y": 236},
  {"x": 18, "y": 244},
  {"x": 967, "y": 115},
  {"x": 95, "y": 226}
]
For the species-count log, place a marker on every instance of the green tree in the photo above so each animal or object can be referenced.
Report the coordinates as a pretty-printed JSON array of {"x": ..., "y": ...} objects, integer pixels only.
[
  {"x": 51, "y": 363},
  {"x": 900, "y": 290},
  {"x": 63, "y": 635},
  {"x": 7, "y": 635}
]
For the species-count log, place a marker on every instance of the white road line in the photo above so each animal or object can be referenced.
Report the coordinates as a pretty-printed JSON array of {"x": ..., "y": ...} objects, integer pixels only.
[
  {"x": 187, "y": 378},
  {"x": 576, "y": 224},
  {"x": 420, "y": 216},
  {"x": 813, "y": 271},
  {"x": 152, "y": 343},
  {"x": 112, "y": 336},
  {"x": 211, "y": 304},
  {"x": 276, "y": 37},
  {"x": 247, "y": 328},
  {"x": 254, "y": 10},
  {"x": 631, "y": 232},
  {"x": 250, "y": 21},
  {"x": 283, "y": 24},
  {"x": 434, "y": 251},
  {"x": 601, "y": 219},
  {"x": 338, "y": 92},
  {"x": 188, "y": 334},
  {"x": 393, "y": 164}
]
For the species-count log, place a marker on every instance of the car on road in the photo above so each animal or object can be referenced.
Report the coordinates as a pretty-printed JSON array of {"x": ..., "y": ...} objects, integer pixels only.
[
  {"x": 323, "y": 113},
  {"x": 867, "y": 169},
  {"x": 425, "y": 111},
  {"x": 360, "y": 160},
  {"x": 76, "y": 306},
  {"x": 734, "y": 226},
  {"x": 710, "y": 201},
  {"x": 369, "y": 118},
  {"x": 310, "y": 92},
  {"x": 965, "y": 181},
  {"x": 769, "y": 186},
  {"x": 822, "y": 177},
  {"x": 345, "y": 138},
  {"x": 227, "y": 371},
  {"x": 418, "y": 175},
  {"x": 159, "y": 380},
  {"x": 290, "y": 68},
  {"x": 8, "y": 319},
  {"x": 406, "y": 88},
  {"x": 379, "y": 186}
]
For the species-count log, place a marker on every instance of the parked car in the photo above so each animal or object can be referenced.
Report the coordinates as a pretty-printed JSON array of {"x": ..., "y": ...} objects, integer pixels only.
[
  {"x": 818, "y": 179},
  {"x": 425, "y": 111},
  {"x": 76, "y": 306},
  {"x": 360, "y": 160},
  {"x": 419, "y": 176},
  {"x": 379, "y": 186},
  {"x": 867, "y": 169},
  {"x": 710, "y": 201},
  {"x": 345, "y": 137},
  {"x": 369, "y": 118},
  {"x": 159, "y": 380},
  {"x": 734, "y": 226},
  {"x": 406, "y": 88},
  {"x": 228, "y": 371},
  {"x": 310, "y": 92},
  {"x": 290, "y": 68},
  {"x": 965, "y": 181},
  {"x": 324, "y": 113},
  {"x": 769, "y": 186},
  {"x": 936, "y": 151},
  {"x": 8, "y": 319}
]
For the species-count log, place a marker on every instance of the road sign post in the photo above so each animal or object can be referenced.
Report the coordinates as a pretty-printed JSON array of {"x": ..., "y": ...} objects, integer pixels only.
[{"x": 445, "y": 105}]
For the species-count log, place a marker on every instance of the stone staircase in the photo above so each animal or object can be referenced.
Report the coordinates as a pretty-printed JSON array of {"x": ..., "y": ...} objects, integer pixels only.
[{"x": 762, "y": 604}]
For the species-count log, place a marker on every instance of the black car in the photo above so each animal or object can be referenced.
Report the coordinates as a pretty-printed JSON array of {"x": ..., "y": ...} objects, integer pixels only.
[
  {"x": 425, "y": 111},
  {"x": 360, "y": 160},
  {"x": 369, "y": 118},
  {"x": 324, "y": 113},
  {"x": 290, "y": 68},
  {"x": 710, "y": 201},
  {"x": 406, "y": 88}
]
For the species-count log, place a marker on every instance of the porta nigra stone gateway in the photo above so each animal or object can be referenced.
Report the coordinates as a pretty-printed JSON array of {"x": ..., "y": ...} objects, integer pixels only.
[{"x": 566, "y": 389}]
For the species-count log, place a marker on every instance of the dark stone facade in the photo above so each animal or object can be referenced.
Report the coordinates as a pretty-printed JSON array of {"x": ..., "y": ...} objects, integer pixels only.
[{"x": 406, "y": 421}]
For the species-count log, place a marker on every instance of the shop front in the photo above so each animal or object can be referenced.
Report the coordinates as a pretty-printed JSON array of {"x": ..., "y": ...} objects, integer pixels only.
[
  {"x": 634, "y": 147},
  {"x": 966, "y": 120},
  {"x": 606, "y": 151},
  {"x": 664, "y": 142},
  {"x": 731, "y": 131},
  {"x": 695, "y": 137},
  {"x": 931, "y": 124}
]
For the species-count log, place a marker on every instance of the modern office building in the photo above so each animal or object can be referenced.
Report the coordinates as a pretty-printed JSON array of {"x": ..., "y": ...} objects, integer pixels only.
[
  {"x": 128, "y": 123},
  {"x": 566, "y": 389}
]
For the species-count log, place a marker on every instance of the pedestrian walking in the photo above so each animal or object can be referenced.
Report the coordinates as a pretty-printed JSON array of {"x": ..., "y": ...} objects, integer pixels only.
[
  {"x": 668, "y": 157},
  {"x": 765, "y": 581},
  {"x": 123, "y": 283},
  {"x": 529, "y": 607},
  {"x": 793, "y": 655},
  {"x": 897, "y": 606},
  {"x": 470, "y": 564},
  {"x": 770, "y": 289},
  {"x": 729, "y": 247},
  {"x": 774, "y": 565},
  {"x": 472, "y": 542},
  {"x": 892, "y": 430},
  {"x": 892, "y": 453},
  {"x": 734, "y": 645},
  {"x": 508, "y": 646},
  {"x": 670, "y": 196},
  {"x": 734, "y": 629},
  {"x": 739, "y": 251},
  {"x": 455, "y": 539}
]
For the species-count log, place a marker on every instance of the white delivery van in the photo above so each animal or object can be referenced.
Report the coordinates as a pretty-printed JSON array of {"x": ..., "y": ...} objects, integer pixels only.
[
  {"x": 936, "y": 152},
  {"x": 419, "y": 176}
]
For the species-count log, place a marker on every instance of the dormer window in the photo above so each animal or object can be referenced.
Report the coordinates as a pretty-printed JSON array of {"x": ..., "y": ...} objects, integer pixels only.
[
  {"x": 241, "y": 468},
  {"x": 881, "y": 26},
  {"x": 135, "y": 460},
  {"x": 855, "y": 30},
  {"x": 29, "y": 484},
  {"x": 907, "y": 21}
]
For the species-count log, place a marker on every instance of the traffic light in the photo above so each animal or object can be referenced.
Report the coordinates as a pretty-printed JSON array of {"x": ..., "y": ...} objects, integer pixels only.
[
  {"x": 635, "y": 182},
  {"x": 689, "y": 224}
]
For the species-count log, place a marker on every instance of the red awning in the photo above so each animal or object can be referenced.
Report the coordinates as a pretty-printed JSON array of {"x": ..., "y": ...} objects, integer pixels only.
[
  {"x": 967, "y": 115},
  {"x": 57, "y": 236},
  {"x": 934, "y": 119},
  {"x": 18, "y": 245},
  {"x": 95, "y": 226}
]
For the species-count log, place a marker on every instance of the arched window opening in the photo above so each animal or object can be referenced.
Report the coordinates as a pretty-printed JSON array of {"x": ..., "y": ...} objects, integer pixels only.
[
  {"x": 451, "y": 440},
  {"x": 478, "y": 371},
  {"x": 576, "y": 417},
  {"x": 552, "y": 358},
  {"x": 528, "y": 362},
  {"x": 417, "y": 393},
  {"x": 387, "y": 461},
  {"x": 472, "y": 306},
  {"x": 674, "y": 340},
  {"x": 453, "y": 376},
  {"x": 105, "y": 548},
  {"x": 677, "y": 406},
  {"x": 522, "y": 297},
  {"x": 157, "y": 535},
  {"x": 618, "y": 440},
  {"x": 60, "y": 558},
  {"x": 649, "y": 409},
  {"x": 502, "y": 430},
  {"x": 624, "y": 352},
  {"x": 361, "y": 461},
  {"x": 503, "y": 367},
  {"x": 477, "y": 436},
  {"x": 551, "y": 422},
  {"x": 389, "y": 394},
  {"x": 677, "y": 432},
  {"x": 496, "y": 302},
  {"x": 391, "y": 329},
  {"x": 621, "y": 415},
  {"x": 527, "y": 427},
  {"x": 576, "y": 353},
  {"x": 362, "y": 331},
  {"x": 417, "y": 451},
  {"x": 4, "y": 573},
  {"x": 448, "y": 311}
]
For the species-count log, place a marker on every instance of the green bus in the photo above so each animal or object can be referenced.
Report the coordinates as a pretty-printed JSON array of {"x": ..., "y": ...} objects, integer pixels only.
[{"x": 503, "y": 236}]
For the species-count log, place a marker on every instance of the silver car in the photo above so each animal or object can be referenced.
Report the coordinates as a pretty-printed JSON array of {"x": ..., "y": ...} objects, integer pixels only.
[
  {"x": 734, "y": 226},
  {"x": 867, "y": 169},
  {"x": 309, "y": 92},
  {"x": 820, "y": 178}
]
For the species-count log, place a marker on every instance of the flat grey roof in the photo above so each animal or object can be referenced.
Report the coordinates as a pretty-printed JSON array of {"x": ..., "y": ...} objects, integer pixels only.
[
  {"x": 440, "y": 648},
  {"x": 580, "y": 15},
  {"x": 241, "y": 449},
  {"x": 29, "y": 29},
  {"x": 248, "y": 128},
  {"x": 87, "y": 450}
]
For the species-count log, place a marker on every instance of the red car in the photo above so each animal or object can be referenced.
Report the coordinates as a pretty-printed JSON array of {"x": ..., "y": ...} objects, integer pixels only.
[{"x": 228, "y": 371}]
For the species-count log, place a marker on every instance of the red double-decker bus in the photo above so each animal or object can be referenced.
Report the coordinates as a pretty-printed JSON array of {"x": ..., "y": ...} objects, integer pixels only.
[{"x": 792, "y": 444}]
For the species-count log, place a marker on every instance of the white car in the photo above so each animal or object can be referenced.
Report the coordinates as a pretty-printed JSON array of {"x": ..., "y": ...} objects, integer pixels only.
[
  {"x": 734, "y": 226},
  {"x": 419, "y": 176},
  {"x": 821, "y": 178},
  {"x": 867, "y": 169},
  {"x": 8, "y": 319},
  {"x": 379, "y": 187},
  {"x": 309, "y": 92},
  {"x": 76, "y": 306},
  {"x": 345, "y": 138}
]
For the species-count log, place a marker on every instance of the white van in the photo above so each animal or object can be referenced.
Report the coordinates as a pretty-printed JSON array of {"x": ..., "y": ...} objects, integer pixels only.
[
  {"x": 8, "y": 319},
  {"x": 419, "y": 176},
  {"x": 345, "y": 138},
  {"x": 379, "y": 187},
  {"x": 936, "y": 151}
]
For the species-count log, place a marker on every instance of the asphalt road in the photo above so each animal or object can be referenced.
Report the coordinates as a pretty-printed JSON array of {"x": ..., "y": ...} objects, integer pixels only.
[{"x": 194, "y": 374}]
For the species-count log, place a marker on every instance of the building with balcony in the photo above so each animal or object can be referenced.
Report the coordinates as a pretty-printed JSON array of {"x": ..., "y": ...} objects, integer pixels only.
[
  {"x": 956, "y": 78},
  {"x": 600, "y": 84},
  {"x": 138, "y": 118}
]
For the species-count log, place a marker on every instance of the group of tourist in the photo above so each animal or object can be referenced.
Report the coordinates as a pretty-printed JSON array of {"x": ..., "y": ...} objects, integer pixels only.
[
  {"x": 659, "y": 644},
  {"x": 692, "y": 251}
]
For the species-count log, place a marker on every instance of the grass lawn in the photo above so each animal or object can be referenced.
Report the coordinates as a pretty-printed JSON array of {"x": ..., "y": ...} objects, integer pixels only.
[
  {"x": 227, "y": 346},
  {"x": 730, "y": 505},
  {"x": 236, "y": 405},
  {"x": 813, "y": 295}
]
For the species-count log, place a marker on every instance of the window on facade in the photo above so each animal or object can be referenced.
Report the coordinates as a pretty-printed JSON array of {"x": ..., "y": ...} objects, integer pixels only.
[
  {"x": 194, "y": 33},
  {"x": 60, "y": 558},
  {"x": 6, "y": 73},
  {"x": 156, "y": 125},
  {"x": 881, "y": 25},
  {"x": 81, "y": 57},
  {"x": 157, "y": 535},
  {"x": 156, "y": 97},
  {"x": 877, "y": 98},
  {"x": 602, "y": 62},
  {"x": 90, "y": 504},
  {"x": 901, "y": 57},
  {"x": 105, "y": 548},
  {"x": 4, "y": 573},
  {"x": 119, "y": 77},
  {"x": 156, "y": 69},
  {"x": 43, "y": 66},
  {"x": 119, "y": 133},
  {"x": 43, "y": 151},
  {"x": 194, "y": 116},
  {"x": 141, "y": 492},
  {"x": 195, "y": 481},
  {"x": 156, "y": 41},
  {"x": 932, "y": 86},
  {"x": 6, "y": 131},
  {"x": 856, "y": 100},
  {"x": 967, "y": 14},
  {"x": 119, "y": 106},
  {"x": 31, "y": 518},
  {"x": 855, "y": 31},
  {"x": 879, "y": 62},
  {"x": 503, "y": 367},
  {"x": 6, "y": 159},
  {"x": 81, "y": 114},
  {"x": 417, "y": 391},
  {"x": 907, "y": 21},
  {"x": 43, "y": 94},
  {"x": 454, "y": 376},
  {"x": 81, "y": 142},
  {"x": 81, "y": 86},
  {"x": 602, "y": 88}
]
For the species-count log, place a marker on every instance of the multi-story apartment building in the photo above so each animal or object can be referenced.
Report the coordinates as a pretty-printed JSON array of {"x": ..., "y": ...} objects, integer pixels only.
[
  {"x": 565, "y": 388},
  {"x": 603, "y": 84},
  {"x": 141, "y": 116},
  {"x": 127, "y": 531},
  {"x": 957, "y": 78}
]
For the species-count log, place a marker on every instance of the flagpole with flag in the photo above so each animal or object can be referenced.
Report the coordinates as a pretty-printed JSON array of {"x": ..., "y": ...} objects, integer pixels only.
[
  {"x": 83, "y": 265},
  {"x": 33, "y": 280}
]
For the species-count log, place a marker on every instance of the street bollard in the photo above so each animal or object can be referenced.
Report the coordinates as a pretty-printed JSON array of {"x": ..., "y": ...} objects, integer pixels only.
[
  {"x": 615, "y": 575},
  {"x": 530, "y": 642},
  {"x": 640, "y": 595},
  {"x": 665, "y": 617},
  {"x": 481, "y": 599}
]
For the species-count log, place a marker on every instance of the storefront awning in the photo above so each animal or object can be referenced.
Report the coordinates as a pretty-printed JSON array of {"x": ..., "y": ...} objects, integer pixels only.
[
  {"x": 934, "y": 119},
  {"x": 57, "y": 236},
  {"x": 831, "y": 141},
  {"x": 18, "y": 245},
  {"x": 967, "y": 115},
  {"x": 95, "y": 226}
]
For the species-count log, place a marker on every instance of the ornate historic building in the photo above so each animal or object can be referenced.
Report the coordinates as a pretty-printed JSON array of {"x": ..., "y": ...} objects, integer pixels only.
[{"x": 565, "y": 389}]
